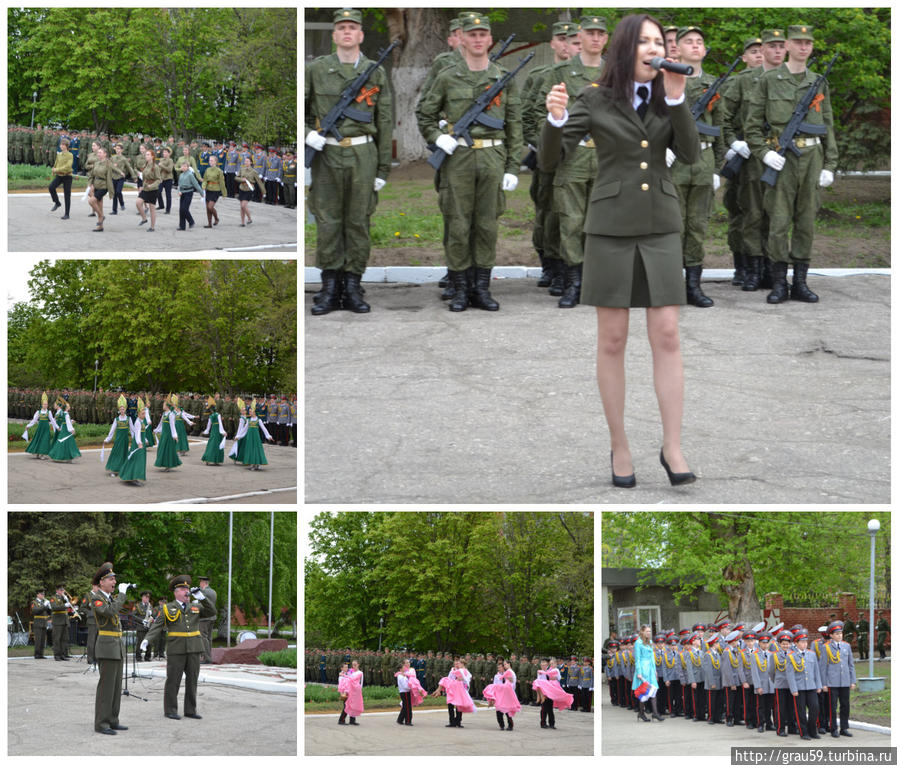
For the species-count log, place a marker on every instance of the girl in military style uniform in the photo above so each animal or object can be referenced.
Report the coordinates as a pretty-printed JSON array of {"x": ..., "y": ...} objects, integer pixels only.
[
  {"x": 214, "y": 186},
  {"x": 121, "y": 168},
  {"x": 246, "y": 178},
  {"x": 149, "y": 191},
  {"x": 633, "y": 252},
  {"x": 100, "y": 178},
  {"x": 166, "y": 175}
]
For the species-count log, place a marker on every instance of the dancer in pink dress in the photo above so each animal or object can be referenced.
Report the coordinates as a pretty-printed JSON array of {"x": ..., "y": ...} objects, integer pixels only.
[
  {"x": 505, "y": 700},
  {"x": 553, "y": 694},
  {"x": 488, "y": 691},
  {"x": 411, "y": 692},
  {"x": 352, "y": 686},
  {"x": 456, "y": 686}
]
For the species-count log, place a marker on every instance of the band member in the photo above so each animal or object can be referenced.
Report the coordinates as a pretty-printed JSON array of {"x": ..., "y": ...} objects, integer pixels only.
[
  {"x": 40, "y": 614},
  {"x": 143, "y": 612},
  {"x": 109, "y": 649},
  {"x": 206, "y": 622}
]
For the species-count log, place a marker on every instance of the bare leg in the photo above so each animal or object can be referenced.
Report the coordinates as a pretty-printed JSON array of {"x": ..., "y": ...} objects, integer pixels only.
[
  {"x": 668, "y": 380},
  {"x": 612, "y": 336},
  {"x": 152, "y": 215}
]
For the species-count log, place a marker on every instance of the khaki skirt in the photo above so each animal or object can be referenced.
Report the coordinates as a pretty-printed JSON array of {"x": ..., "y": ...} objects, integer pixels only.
[{"x": 632, "y": 272}]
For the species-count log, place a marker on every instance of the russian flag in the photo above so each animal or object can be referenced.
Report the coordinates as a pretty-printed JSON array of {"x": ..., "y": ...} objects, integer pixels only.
[{"x": 643, "y": 691}]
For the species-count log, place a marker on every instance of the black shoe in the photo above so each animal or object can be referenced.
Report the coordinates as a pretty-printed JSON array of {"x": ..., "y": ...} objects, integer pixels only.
[
  {"x": 822, "y": 730},
  {"x": 799, "y": 290},
  {"x": 770, "y": 727},
  {"x": 806, "y": 737},
  {"x": 330, "y": 295},
  {"x": 761, "y": 729},
  {"x": 782, "y": 734},
  {"x": 693, "y": 290},
  {"x": 752, "y": 273},
  {"x": 730, "y": 723},
  {"x": 815, "y": 735},
  {"x": 119, "y": 727},
  {"x": 676, "y": 479},
  {"x": 56, "y": 206},
  {"x": 450, "y": 725},
  {"x": 173, "y": 716},
  {"x": 107, "y": 731},
  {"x": 353, "y": 722},
  {"x": 480, "y": 294},
  {"x": 459, "y": 284},
  {"x": 352, "y": 298},
  {"x": 621, "y": 481},
  {"x": 571, "y": 287},
  {"x": 341, "y": 722},
  {"x": 142, "y": 222},
  {"x": 194, "y": 716},
  {"x": 846, "y": 733},
  {"x": 779, "y": 291},
  {"x": 835, "y": 734},
  {"x": 65, "y": 217},
  {"x": 64, "y": 658},
  {"x": 113, "y": 212}
]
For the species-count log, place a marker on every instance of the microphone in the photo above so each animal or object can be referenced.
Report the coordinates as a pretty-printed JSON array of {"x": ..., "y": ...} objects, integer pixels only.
[{"x": 660, "y": 63}]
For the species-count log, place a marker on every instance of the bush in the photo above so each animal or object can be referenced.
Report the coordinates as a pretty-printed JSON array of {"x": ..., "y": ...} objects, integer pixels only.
[
  {"x": 285, "y": 658},
  {"x": 318, "y": 693}
]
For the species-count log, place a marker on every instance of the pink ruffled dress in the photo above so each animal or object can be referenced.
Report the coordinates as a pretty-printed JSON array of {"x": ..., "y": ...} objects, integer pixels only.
[
  {"x": 488, "y": 691},
  {"x": 548, "y": 683},
  {"x": 417, "y": 693},
  {"x": 457, "y": 693},
  {"x": 353, "y": 688},
  {"x": 505, "y": 699}
]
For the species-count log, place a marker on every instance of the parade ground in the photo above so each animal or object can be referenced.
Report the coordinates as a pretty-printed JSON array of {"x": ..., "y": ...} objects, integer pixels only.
[
  {"x": 679, "y": 737},
  {"x": 786, "y": 404},
  {"x": 33, "y": 228},
  {"x": 377, "y": 733},
  {"x": 84, "y": 481},
  {"x": 249, "y": 710}
]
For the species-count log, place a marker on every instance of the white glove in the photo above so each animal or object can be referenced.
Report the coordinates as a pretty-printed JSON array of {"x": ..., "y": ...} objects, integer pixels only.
[
  {"x": 716, "y": 182},
  {"x": 442, "y": 124},
  {"x": 729, "y": 154},
  {"x": 670, "y": 157},
  {"x": 446, "y": 143},
  {"x": 379, "y": 184},
  {"x": 123, "y": 587},
  {"x": 774, "y": 160},
  {"x": 510, "y": 182},
  {"x": 199, "y": 595},
  {"x": 316, "y": 140},
  {"x": 144, "y": 645},
  {"x": 826, "y": 178},
  {"x": 741, "y": 147}
]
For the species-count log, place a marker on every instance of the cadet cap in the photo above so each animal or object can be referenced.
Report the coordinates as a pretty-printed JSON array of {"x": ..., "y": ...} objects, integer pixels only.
[
  {"x": 723, "y": 625},
  {"x": 749, "y": 635},
  {"x": 699, "y": 627},
  {"x": 476, "y": 22},
  {"x": 800, "y": 32},
  {"x": 560, "y": 28},
  {"x": 659, "y": 638},
  {"x": 751, "y": 41},
  {"x": 181, "y": 580},
  {"x": 454, "y": 24},
  {"x": 573, "y": 29},
  {"x": 347, "y": 14},
  {"x": 682, "y": 31},
  {"x": 772, "y": 35},
  {"x": 594, "y": 22},
  {"x": 670, "y": 28},
  {"x": 672, "y": 640},
  {"x": 801, "y": 635},
  {"x": 835, "y": 627},
  {"x": 785, "y": 636}
]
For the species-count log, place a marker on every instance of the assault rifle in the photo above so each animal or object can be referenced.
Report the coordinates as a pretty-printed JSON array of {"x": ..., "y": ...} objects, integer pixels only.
[
  {"x": 343, "y": 109},
  {"x": 699, "y": 108},
  {"x": 475, "y": 114},
  {"x": 797, "y": 125},
  {"x": 503, "y": 46}
]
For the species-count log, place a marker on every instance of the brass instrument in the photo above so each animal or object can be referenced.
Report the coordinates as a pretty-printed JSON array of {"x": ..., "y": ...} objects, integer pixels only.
[
  {"x": 69, "y": 603},
  {"x": 148, "y": 618}
]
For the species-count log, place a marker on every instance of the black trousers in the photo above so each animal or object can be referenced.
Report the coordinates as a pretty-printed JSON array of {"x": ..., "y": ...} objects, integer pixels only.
[
  {"x": 66, "y": 181},
  {"x": 714, "y": 697},
  {"x": 576, "y": 693},
  {"x": 732, "y": 700},
  {"x": 229, "y": 184},
  {"x": 841, "y": 694},
  {"x": 699, "y": 698},
  {"x": 587, "y": 698},
  {"x": 184, "y": 209},
  {"x": 806, "y": 709},
  {"x": 676, "y": 698},
  {"x": 784, "y": 710},
  {"x": 687, "y": 694},
  {"x": 40, "y": 636},
  {"x": 405, "y": 715},
  {"x": 764, "y": 704},
  {"x": 500, "y": 720},
  {"x": 613, "y": 683},
  {"x": 547, "y": 715},
  {"x": 272, "y": 192},
  {"x": 624, "y": 692},
  {"x": 455, "y": 715},
  {"x": 165, "y": 186},
  {"x": 662, "y": 698},
  {"x": 118, "y": 199}
]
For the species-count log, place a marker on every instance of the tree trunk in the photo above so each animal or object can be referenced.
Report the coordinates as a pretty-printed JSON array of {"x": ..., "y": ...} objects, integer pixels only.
[
  {"x": 743, "y": 605},
  {"x": 423, "y": 33}
]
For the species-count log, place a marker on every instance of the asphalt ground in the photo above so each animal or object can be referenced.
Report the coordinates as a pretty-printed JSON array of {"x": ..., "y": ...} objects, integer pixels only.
[
  {"x": 621, "y": 733},
  {"x": 378, "y": 733},
  {"x": 45, "y": 695},
  {"x": 84, "y": 481},
  {"x": 33, "y": 228},
  {"x": 786, "y": 404}
]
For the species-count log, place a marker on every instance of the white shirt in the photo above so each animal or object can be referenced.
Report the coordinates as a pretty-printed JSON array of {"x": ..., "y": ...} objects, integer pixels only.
[
  {"x": 636, "y": 99},
  {"x": 402, "y": 683}
]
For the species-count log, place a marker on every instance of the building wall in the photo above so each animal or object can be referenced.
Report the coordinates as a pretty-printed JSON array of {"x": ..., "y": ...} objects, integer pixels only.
[{"x": 813, "y": 618}]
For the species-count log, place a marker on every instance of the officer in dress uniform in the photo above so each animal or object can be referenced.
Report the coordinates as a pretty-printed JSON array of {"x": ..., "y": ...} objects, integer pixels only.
[
  {"x": 40, "y": 614},
  {"x": 348, "y": 174},
  {"x": 183, "y": 645},
  {"x": 272, "y": 176},
  {"x": 109, "y": 649},
  {"x": 290, "y": 180},
  {"x": 60, "y": 621},
  {"x": 838, "y": 675},
  {"x": 586, "y": 683}
]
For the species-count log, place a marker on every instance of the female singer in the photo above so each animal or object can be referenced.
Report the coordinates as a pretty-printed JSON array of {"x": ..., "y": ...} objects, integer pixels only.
[
  {"x": 215, "y": 446},
  {"x": 633, "y": 255},
  {"x": 120, "y": 430},
  {"x": 167, "y": 454},
  {"x": 64, "y": 448}
]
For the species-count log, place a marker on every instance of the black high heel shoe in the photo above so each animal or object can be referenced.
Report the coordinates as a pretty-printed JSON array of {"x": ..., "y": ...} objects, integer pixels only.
[
  {"x": 621, "y": 481},
  {"x": 676, "y": 479}
]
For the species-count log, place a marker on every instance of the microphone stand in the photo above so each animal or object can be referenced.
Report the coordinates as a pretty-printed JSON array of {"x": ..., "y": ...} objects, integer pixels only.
[{"x": 125, "y": 691}]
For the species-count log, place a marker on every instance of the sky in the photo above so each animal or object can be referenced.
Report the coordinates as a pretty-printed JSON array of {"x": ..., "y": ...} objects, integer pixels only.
[{"x": 15, "y": 273}]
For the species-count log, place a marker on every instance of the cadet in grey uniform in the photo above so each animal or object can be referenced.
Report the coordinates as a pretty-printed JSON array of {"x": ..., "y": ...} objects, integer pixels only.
[
  {"x": 784, "y": 716},
  {"x": 805, "y": 684},
  {"x": 694, "y": 677},
  {"x": 284, "y": 422},
  {"x": 731, "y": 678},
  {"x": 586, "y": 684},
  {"x": 611, "y": 669},
  {"x": 712, "y": 679},
  {"x": 838, "y": 675},
  {"x": 762, "y": 669}
]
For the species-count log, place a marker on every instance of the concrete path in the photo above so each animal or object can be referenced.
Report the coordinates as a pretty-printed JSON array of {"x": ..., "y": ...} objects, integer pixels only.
[
  {"x": 379, "y": 734},
  {"x": 33, "y": 228},
  {"x": 43, "y": 694},
  {"x": 784, "y": 404}
]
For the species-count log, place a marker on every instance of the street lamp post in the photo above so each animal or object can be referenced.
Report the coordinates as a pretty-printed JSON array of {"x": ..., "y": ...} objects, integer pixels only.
[
  {"x": 33, "y": 104},
  {"x": 871, "y": 683}
]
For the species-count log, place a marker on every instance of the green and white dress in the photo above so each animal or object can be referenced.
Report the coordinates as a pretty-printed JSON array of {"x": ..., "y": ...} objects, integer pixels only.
[
  {"x": 237, "y": 447},
  {"x": 167, "y": 453},
  {"x": 147, "y": 431},
  {"x": 215, "y": 447},
  {"x": 135, "y": 467},
  {"x": 41, "y": 440},
  {"x": 64, "y": 448},
  {"x": 120, "y": 430},
  {"x": 253, "y": 448},
  {"x": 182, "y": 417}
]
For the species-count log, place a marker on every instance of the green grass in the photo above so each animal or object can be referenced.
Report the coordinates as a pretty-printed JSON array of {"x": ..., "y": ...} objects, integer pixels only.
[
  {"x": 85, "y": 435},
  {"x": 285, "y": 658},
  {"x": 872, "y": 707},
  {"x": 33, "y": 178},
  {"x": 319, "y": 698}
]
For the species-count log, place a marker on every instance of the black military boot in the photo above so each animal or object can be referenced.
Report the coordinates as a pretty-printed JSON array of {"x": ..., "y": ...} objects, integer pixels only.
[
  {"x": 779, "y": 291},
  {"x": 694, "y": 292},
  {"x": 766, "y": 281},
  {"x": 444, "y": 281},
  {"x": 480, "y": 294},
  {"x": 330, "y": 299},
  {"x": 572, "y": 292},
  {"x": 557, "y": 278},
  {"x": 739, "y": 269},
  {"x": 546, "y": 271},
  {"x": 353, "y": 299},
  {"x": 799, "y": 290},
  {"x": 752, "y": 273},
  {"x": 460, "y": 284}
]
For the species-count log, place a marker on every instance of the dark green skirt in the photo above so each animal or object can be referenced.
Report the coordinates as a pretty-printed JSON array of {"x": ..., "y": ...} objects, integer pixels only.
[
  {"x": 167, "y": 453},
  {"x": 64, "y": 447},
  {"x": 135, "y": 467},
  {"x": 180, "y": 429},
  {"x": 213, "y": 453},
  {"x": 40, "y": 439},
  {"x": 253, "y": 449},
  {"x": 119, "y": 450}
]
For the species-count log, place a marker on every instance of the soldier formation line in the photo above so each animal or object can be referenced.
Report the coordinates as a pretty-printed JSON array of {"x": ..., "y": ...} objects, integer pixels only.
[{"x": 773, "y": 118}]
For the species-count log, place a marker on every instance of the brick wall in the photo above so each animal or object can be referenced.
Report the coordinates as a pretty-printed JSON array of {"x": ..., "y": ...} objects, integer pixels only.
[{"x": 813, "y": 618}]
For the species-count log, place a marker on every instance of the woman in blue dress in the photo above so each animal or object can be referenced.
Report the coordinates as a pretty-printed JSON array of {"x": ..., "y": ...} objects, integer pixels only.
[{"x": 645, "y": 670}]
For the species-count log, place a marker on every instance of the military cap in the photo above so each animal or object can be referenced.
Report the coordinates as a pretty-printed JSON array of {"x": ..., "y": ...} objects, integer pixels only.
[
  {"x": 749, "y": 635},
  {"x": 612, "y": 643},
  {"x": 145, "y": 592},
  {"x": 785, "y": 635},
  {"x": 723, "y": 625},
  {"x": 181, "y": 580},
  {"x": 672, "y": 640},
  {"x": 799, "y": 32},
  {"x": 454, "y": 24},
  {"x": 751, "y": 41},
  {"x": 801, "y": 635},
  {"x": 732, "y": 636},
  {"x": 593, "y": 22},
  {"x": 836, "y": 627},
  {"x": 560, "y": 28},
  {"x": 698, "y": 627},
  {"x": 271, "y": 148},
  {"x": 670, "y": 28},
  {"x": 797, "y": 628},
  {"x": 659, "y": 638},
  {"x": 245, "y": 145},
  {"x": 573, "y": 29},
  {"x": 476, "y": 22},
  {"x": 685, "y": 631},
  {"x": 104, "y": 571},
  {"x": 763, "y": 635},
  {"x": 772, "y": 35},
  {"x": 39, "y": 591},
  {"x": 682, "y": 31},
  {"x": 203, "y": 578},
  {"x": 347, "y": 14},
  {"x": 463, "y": 15}
]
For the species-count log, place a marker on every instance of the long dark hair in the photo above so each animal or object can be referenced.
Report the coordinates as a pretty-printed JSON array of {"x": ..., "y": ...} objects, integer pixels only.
[{"x": 618, "y": 72}]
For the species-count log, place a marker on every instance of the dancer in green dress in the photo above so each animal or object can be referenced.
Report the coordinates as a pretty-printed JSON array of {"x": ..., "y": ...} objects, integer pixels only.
[
  {"x": 40, "y": 442},
  {"x": 147, "y": 437},
  {"x": 253, "y": 456},
  {"x": 64, "y": 448},
  {"x": 135, "y": 467},
  {"x": 237, "y": 447},
  {"x": 167, "y": 453},
  {"x": 215, "y": 447},
  {"x": 120, "y": 430},
  {"x": 181, "y": 417}
]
